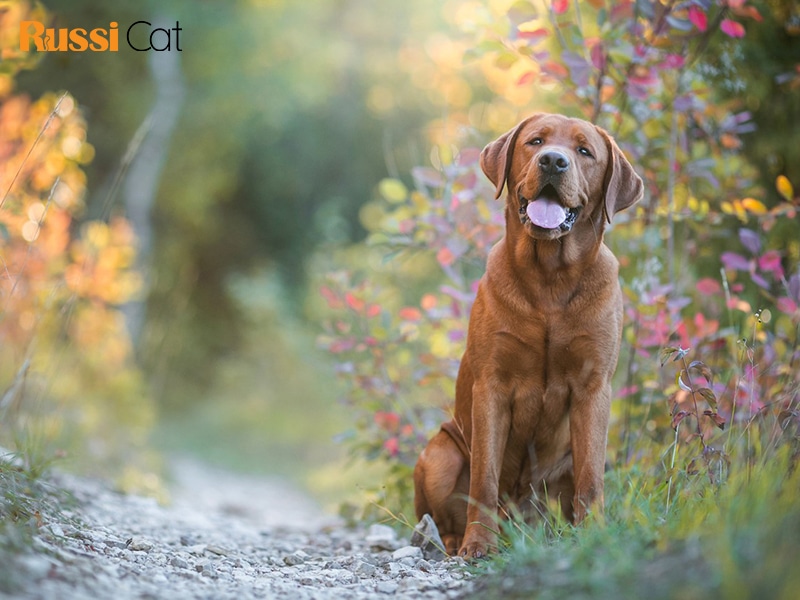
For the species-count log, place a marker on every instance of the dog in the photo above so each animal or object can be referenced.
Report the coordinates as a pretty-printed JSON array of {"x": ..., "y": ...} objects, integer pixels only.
[{"x": 533, "y": 390}]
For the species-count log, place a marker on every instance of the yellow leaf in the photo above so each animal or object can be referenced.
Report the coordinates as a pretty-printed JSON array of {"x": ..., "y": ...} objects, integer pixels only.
[
  {"x": 754, "y": 206},
  {"x": 393, "y": 190},
  {"x": 784, "y": 187}
]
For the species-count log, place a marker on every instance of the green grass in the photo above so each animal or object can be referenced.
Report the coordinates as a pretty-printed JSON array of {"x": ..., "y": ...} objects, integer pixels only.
[
  {"x": 740, "y": 539},
  {"x": 26, "y": 501}
]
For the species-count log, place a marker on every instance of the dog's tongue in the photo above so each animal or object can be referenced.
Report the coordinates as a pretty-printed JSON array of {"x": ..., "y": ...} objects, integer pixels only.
[{"x": 546, "y": 213}]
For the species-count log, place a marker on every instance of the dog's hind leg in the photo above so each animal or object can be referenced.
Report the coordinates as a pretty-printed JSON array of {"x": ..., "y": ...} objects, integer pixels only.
[{"x": 441, "y": 486}]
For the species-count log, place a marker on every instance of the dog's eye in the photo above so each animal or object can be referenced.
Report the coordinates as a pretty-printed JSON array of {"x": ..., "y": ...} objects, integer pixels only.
[
  {"x": 537, "y": 141},
  {"x": 585, "y": 151}
]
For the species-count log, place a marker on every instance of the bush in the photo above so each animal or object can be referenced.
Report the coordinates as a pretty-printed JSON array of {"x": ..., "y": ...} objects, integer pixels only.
[{"x": 710, "y": 271}]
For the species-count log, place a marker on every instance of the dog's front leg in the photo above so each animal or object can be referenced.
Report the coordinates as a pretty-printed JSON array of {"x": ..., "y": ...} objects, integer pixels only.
[
  {"x": 588, "y": 418},
  {"x": 491, "y": 420}
]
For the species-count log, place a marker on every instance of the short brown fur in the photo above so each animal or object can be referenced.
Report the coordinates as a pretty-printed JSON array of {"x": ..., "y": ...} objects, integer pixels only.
[{"x": 534, "y": 387}]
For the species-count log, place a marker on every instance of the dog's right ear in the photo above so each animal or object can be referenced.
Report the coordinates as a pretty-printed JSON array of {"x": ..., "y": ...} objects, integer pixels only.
[{"x": 496, "y": 157}]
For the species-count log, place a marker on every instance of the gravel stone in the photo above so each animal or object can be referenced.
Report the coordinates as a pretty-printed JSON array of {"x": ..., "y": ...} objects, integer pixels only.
[{"x": 224, "y": 536}]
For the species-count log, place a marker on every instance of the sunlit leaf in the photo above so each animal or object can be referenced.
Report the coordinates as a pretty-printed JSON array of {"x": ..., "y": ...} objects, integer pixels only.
[
  {"x": 784, "y": 187},
  {"x": 393, "y": 190},
  {"x": 681, "y": 384},
  {"x": 754, "y": 206}
]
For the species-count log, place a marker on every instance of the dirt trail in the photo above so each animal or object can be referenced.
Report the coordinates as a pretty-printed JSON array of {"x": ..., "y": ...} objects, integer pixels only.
[{"x": 224, "y": 535}]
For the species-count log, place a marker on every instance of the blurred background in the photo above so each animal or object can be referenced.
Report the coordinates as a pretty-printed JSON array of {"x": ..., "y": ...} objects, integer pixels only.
[
  {"x": 204, "y": 194},
  {"x": 239, "y": 163}
]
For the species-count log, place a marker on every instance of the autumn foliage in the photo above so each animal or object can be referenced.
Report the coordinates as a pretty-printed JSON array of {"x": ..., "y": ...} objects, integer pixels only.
[{"x": 66, "y": 367}]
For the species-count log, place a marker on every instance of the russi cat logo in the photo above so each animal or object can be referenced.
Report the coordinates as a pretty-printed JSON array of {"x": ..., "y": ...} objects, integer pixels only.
[{"x": 140, "y": 36}]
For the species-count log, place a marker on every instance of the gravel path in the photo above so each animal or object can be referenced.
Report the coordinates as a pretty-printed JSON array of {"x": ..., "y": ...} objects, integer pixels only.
[{"x": 223, "y": 536}]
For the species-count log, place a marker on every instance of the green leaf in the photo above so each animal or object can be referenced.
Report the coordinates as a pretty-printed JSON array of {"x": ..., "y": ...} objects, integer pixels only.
[
  {"x": 666, "y": 353},
  {"x": 709, "y": 396}
]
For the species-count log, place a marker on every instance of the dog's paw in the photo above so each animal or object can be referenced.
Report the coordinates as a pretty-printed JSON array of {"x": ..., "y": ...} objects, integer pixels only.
[{"x": 477, "y": 547}]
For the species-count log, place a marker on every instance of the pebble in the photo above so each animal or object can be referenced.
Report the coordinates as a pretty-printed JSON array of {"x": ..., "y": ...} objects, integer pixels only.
[{"x": 125, "y": 546}]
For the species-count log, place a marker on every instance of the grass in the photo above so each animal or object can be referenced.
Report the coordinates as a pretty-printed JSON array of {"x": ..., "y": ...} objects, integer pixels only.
[
  {"x": 739, "y": 539},
  {"x": 26, "y": 501}
]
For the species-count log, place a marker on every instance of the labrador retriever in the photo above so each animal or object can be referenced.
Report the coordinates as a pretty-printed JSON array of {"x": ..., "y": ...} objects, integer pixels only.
[{"x": 533, "y": 391}]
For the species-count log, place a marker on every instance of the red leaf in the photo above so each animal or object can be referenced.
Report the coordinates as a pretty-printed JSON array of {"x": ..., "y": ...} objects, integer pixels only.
[
  {"x": 748, "y": 11},
  {"x": 732, "y": 28},
  {"x": 560, "y": 6},
  {"x": 330, "y": 296},
  {"x": 698, "y": 18},
  {"x": 718, "y": 421},
  {"x": 445, "y": 257},
  {"x": 428, "y": 302},
  {"x": 410, "y": 314},
  {"x": 536, "y": 34},
  {"x": 353, "y": 302},
  {"x": 527, "y": 78},
  {"x": 555, "y": 69},
  {"x": 389, "y": 421},
  {"x": 392, "y": 446},
  {"x": 678, "y": 417}
]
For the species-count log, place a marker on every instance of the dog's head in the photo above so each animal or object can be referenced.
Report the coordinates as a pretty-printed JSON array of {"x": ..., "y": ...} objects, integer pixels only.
[{"x": 560, "y": 171}]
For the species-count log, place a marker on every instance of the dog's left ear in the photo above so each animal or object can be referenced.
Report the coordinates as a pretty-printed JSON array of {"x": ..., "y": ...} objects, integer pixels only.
[
  {"x": 622, "y": 186},
  {"x": 496, "y": 157}
]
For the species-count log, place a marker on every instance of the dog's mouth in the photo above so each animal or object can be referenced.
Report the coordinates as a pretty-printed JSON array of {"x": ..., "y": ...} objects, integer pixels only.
[{"x": 547, "y": 212}]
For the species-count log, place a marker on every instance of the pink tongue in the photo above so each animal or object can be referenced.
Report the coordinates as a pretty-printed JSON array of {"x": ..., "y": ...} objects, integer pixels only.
[{"x": 546, "y": 214}]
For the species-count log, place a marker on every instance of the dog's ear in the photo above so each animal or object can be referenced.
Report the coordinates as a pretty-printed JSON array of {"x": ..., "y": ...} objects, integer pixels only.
[
  {"x": 496, "y": 156},
  {"x": 622, "y": 186}
]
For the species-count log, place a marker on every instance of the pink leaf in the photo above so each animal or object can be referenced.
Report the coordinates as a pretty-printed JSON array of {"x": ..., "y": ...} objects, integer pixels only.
[
  {"x": 673, "y": 61},
  {"x": 787, "y": 305},
  {"x": 708, "y": 286},
  {"x": 698, "y": 18},
  {"x": 598, "y": 56},
  {"x": 732, "y": 28},
  {"x": 771, "y": 262},
  {"x": 560, "y": 6}
]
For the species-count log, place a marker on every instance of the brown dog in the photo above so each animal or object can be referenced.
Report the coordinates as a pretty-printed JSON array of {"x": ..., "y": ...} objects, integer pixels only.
[{"x": 534, "y": 387}]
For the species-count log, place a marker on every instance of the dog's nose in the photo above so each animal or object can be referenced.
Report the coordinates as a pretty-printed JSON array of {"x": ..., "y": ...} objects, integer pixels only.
[{"x": 553, "y": 162}]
